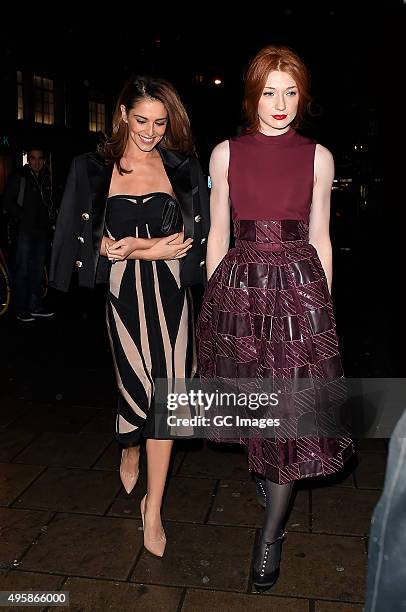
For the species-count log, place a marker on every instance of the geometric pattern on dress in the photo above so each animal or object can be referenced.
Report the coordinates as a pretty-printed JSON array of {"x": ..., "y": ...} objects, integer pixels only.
[{"x": 267, "y": 315}]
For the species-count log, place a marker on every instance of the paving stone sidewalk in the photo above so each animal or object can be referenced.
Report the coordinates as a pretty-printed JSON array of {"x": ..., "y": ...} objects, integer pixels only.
[{"x": 67, "y": 523}]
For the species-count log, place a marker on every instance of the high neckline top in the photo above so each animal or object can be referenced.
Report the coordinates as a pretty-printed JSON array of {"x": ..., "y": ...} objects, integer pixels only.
[
  {"x": 285, "y": 138},
  {"x": 271, "y": 177}
]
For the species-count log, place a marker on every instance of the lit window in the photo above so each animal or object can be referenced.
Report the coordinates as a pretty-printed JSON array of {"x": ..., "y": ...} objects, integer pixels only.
[
  {"x": 44, "y": 100},
  {"x": 97, "y": 117},
  {"x": 20, "y": 105}
]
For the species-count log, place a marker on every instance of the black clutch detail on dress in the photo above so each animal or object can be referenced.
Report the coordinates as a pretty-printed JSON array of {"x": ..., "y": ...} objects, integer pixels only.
[{"x": 172, "y": 221}]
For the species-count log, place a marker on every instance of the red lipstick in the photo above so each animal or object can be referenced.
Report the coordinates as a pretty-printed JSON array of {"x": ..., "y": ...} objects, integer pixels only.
[{"x": 280, "y": 117}]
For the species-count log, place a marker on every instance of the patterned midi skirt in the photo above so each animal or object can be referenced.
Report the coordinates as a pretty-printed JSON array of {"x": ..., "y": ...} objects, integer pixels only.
[{"x": 267, "y": 320}]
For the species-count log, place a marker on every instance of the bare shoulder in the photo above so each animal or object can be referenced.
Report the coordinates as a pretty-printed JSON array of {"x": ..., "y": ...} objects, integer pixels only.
[
  {"x": 323, "y": 155},
  {"x": 323, "y": 162},
  {"x": 221, "y": 152},
  {"x": 219, "y": 160}
]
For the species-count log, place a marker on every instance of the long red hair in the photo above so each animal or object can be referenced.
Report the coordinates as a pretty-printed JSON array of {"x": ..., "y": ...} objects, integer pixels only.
[{"x": 274, "y": 58}]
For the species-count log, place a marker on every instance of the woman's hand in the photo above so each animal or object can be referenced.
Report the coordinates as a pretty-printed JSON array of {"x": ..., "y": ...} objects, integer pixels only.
[
  {"x": 180, "y": 238},
  {"x": 120, "y": 249},
  {"x": 106, "y": 242},
  {"x": 170, "y": 247}
]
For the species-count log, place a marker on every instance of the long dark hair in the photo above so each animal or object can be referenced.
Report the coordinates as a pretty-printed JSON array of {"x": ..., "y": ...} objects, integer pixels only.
[
  {"x": 177, "y": 136},
  {"x": 275, "y": 58}
]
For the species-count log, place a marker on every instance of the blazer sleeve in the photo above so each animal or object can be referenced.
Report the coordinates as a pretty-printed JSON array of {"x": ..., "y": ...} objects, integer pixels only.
[
  {"x": 64, "y": 247},
  {"x": 204, "y": 201},
  {"x": 193, "y": 266}
]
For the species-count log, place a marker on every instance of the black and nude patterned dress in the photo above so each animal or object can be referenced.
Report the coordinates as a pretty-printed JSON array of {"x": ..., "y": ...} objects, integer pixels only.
[{"x": 149, "y": 317}]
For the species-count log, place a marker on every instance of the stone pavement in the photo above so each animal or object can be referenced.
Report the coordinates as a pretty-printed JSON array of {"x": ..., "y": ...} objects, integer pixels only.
[{"x": 67, "y": 523}]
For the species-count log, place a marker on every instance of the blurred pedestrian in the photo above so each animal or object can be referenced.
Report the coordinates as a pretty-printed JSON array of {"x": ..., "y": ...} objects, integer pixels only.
[
  {"x": 28, "y": 200},
  {"x": 386, "y": 586}
]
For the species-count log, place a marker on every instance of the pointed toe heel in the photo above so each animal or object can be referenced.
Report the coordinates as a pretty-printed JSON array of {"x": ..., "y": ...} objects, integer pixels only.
[
  {"x": 129, "y": 479},
  {"x": 154, "y": 546}
]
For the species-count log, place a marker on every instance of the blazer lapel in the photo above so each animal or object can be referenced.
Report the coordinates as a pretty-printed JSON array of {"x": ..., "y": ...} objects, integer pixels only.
[{"x": 177, "y": 168}]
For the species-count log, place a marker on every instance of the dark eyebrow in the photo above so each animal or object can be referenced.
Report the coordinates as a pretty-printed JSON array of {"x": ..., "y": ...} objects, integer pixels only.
[{"x": 146, "y": 118}]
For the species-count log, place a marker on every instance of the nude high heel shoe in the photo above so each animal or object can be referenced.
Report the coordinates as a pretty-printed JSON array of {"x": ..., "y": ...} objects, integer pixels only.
[
  {"x": 129, "y": 479},
  {"x": 156, "y": 547}
]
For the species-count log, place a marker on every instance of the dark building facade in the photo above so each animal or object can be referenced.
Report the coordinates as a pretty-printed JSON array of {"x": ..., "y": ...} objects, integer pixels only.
[{"x": 42, "y": 108}]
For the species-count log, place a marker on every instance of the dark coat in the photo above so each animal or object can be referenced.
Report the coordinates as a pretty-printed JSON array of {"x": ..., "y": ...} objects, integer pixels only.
[
  {"x": 81, "y": 219},
  {"x": 28, "y": 200}
]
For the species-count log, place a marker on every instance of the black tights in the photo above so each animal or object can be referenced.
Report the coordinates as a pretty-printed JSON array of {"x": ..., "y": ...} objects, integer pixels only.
[
  {"x": 278, "y": 498},
  {"x": 277, "y": 503}
]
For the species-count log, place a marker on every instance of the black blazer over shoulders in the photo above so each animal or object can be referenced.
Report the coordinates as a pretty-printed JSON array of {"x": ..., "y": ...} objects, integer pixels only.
[{"x": 80, "y": 223}]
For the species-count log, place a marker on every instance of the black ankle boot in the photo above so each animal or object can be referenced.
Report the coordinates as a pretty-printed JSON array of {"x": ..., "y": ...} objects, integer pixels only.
[
  {"x": 267, "y": 559},
  {"x": 260, "y": 491}
]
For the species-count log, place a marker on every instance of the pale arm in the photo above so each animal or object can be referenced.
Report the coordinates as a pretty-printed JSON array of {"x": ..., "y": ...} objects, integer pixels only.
[
  {"x": 131, "y": 247},
  {"x": 169, "y": 247},
  {"x": 218, "y": 240},
  {"x": 319, "y": 225},
  {"x": 137, "y": 243}
]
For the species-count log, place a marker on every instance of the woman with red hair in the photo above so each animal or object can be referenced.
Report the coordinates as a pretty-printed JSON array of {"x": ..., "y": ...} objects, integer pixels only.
[{"x": 267, "y": 316}]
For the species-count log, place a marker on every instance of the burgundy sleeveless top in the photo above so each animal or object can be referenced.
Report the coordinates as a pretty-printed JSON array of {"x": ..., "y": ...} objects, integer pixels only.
[{"x": 271, "y": 177}]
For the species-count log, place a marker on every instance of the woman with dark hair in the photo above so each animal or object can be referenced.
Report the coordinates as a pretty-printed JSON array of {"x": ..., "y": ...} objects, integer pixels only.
[
  {"x": 267, "y": 317},
  {"x": 141, "y": 204}
]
